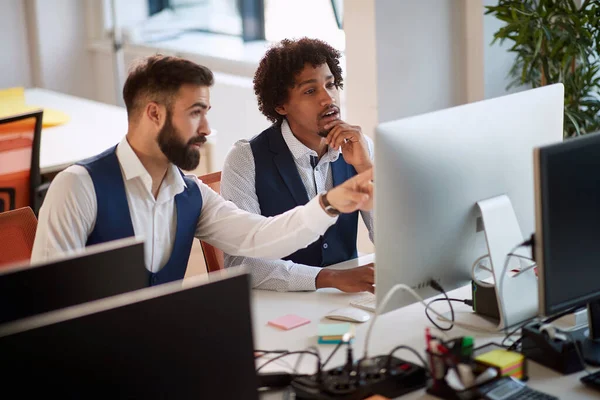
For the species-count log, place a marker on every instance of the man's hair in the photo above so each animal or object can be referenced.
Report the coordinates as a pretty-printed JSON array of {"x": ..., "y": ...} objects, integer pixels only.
[
  {"x": 282, "y": 62},
  {"x": 158, "y": 78}
]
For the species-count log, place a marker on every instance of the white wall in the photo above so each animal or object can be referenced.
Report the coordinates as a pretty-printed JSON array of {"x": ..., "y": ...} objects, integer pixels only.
[
  {"x": 15, "y": 66},
  {"x": 419, "y": 57},
  {"x": 412, "y": 58},
  {"x": 58, "y": 39},
  {"x": 360, "y": 83},
  {"x": 497, "y": 59}
]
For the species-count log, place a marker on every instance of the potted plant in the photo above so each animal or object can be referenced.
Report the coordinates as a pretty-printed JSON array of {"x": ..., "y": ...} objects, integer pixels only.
[{"x": 556, "y": 41}]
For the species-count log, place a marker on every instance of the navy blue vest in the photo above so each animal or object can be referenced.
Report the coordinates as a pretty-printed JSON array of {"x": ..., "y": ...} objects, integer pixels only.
[
  {"x": 279, "y": 188},
  {"x": 113, "y": 220}
]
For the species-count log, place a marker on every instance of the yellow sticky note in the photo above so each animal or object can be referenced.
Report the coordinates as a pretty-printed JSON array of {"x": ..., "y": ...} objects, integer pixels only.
[
  {"x": 12, "y": 102},
  {"x": 500, "y": 358}
]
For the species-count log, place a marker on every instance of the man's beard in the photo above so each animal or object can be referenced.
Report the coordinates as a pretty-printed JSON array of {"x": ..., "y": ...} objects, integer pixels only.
[
  {"x": 186, "y": 156},
  {"x": 324, "y": 132}
]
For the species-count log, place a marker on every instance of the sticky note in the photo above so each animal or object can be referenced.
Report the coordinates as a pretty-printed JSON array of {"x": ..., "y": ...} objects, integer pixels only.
[
  {"x": 508, "y": 363},
  {"x": 289, "y": 321},
  {"x": 333, "y": 333},
  {"x": 12, "y": 102}
]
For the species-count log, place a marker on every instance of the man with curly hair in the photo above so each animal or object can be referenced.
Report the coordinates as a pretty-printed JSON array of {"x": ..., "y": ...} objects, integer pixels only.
[{"x": 308, "y": 150}]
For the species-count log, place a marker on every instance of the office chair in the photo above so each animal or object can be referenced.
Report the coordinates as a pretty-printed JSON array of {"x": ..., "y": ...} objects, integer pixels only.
[
  {"x": 20, "y": 178},
  {"x": 17, "y": 233},
  {"x": 213, "y": 257}
]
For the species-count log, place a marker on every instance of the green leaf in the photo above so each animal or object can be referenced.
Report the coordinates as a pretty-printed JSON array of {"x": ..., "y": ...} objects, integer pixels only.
[{"x": 574, "y": 122}]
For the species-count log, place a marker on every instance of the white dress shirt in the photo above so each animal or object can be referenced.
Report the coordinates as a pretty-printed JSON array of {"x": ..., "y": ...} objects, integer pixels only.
[
  {"x": 238, "y": 185},
  {"x": 68, "y": 216}
]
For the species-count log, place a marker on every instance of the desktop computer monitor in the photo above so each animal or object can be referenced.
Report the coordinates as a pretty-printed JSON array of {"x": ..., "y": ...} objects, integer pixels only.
[
  {"x": 168, "y": 341},
  {"x": 431, "y": 171},
  {"x": 93, "y": 273},
  {"x": 567, "y": 234}
]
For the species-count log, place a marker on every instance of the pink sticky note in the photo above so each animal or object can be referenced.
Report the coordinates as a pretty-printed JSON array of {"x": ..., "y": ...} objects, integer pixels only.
[{"x": 289, "y": 321}]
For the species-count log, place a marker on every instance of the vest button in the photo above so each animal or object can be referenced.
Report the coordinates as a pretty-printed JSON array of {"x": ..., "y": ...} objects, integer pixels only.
[{"x": 325, "y": 245}]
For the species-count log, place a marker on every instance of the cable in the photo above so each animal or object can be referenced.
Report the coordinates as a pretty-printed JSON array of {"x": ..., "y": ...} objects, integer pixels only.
[
  {"x": 337, "y": 347},
  {"x": 279, "y": 361},
  {"x": 562, "y": 314},
  {"x": 505, "y": 268},
  {"x": 452, "y": 321},
  {"x": 474, "y": 267},
  {"x": 436, "y": 286},
  {"x": 297, "y": 364},
  {"x": 401, "y": 347},
  {"x": 265, "y": 352},
  {"x": 290, "y": 353},
  {"x": 384, "y": 302},
  {"x": 509, "y": 334}
]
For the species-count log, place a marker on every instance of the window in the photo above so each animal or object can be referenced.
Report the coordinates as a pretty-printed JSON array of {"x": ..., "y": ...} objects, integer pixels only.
[
  {"x": 229, "y": 17},
  {"x": 321, "y": 19},
  {"x": 272, "y": 20},
  {"x": 234, "y": 30}
]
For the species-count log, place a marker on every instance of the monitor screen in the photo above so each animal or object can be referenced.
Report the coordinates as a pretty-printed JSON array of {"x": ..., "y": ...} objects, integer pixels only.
[
  {"x": 168, "y": 341},
  {"x": 432, "y": 170},
  {"x": 96, "y": 272},
  {"x": 568, "y": 232}
]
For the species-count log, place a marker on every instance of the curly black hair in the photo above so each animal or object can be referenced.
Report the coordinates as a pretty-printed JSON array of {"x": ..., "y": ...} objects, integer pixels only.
[{"x": 280, "y": 65}]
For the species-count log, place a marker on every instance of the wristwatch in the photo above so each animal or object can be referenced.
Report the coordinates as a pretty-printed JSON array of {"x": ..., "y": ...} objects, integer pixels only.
[{"x": 329, "y": 209}]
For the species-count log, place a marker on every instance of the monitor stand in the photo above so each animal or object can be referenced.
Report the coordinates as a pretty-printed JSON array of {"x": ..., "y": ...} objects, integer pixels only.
[{"x": 517, "y": 297}]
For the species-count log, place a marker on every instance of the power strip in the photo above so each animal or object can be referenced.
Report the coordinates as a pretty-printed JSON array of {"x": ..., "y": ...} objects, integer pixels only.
[{"x": 386, "y": 376}]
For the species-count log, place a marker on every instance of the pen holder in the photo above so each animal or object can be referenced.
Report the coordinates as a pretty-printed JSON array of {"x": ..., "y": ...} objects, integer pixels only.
[{"x": 440, "y": 369}]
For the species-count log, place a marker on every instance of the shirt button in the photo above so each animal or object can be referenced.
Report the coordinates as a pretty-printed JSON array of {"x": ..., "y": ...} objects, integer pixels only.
[{"x": 325, "y": 245}]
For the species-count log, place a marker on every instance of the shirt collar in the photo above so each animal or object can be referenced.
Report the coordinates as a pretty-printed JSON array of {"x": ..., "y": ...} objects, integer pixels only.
[
  {"x": 299, "y": 150},
  {"x": 133, "y": 168}
]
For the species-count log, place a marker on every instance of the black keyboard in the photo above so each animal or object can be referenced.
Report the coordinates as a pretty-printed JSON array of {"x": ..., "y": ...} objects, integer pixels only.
[{"x": 592, "y": 380}]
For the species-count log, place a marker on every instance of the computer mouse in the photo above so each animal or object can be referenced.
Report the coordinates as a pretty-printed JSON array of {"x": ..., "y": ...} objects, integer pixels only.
[{"x": 351, "y": 314}]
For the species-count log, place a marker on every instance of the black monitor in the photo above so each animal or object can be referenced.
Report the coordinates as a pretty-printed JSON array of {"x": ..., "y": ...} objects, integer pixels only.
[
  {"x": 191, "y": 341},
  {"x": 567, "y": 237},
  {"x": 95, "y": 272}
]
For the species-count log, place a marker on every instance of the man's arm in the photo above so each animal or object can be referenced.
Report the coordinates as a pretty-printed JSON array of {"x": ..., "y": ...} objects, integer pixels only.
[
  {"x": 238, "y": 232},
  {"x": 67, "y": 216},
  {"x": 238, "y": 186}
]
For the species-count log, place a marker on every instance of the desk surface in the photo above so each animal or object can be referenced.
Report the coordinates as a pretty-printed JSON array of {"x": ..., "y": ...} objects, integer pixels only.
[{"x": 403, "y": 326}]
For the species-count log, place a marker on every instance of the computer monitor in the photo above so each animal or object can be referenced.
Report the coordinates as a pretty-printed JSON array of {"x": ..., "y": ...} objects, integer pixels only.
[
  {"x": 431, "y": 171},
  {"x": 92, "y": 273},
  {"x": 567, "y": 234},
  {"x": 168, "y": 341}
]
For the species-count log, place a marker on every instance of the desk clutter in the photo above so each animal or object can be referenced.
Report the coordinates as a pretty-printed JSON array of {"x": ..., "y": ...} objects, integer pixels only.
[
  {"x": 458, "y": 371},
  {"x": 455, "y": 369},
  {"x": 385, "y": 375}
]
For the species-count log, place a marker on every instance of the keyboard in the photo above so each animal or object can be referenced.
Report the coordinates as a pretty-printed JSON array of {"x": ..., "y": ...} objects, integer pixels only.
[
  {"x": 365, "y": 301},
  {"x": 592, "y": 380},
  {"x": 509, "y": 388}
]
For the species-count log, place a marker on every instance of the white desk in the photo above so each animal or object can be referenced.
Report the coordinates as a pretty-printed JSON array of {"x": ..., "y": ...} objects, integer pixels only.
[
  {"x": 403, "y": 326},
  {"x": 93, "y": 127}
]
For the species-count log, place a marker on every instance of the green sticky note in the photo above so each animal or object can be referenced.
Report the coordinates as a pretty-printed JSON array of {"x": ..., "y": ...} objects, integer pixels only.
[{"x": 335, "y": 329}]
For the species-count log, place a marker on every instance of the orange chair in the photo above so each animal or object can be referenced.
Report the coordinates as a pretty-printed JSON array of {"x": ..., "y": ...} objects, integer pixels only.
[
  {"x": 17, "y": 233},
  {"x": 20, "y": 179},
  {"x": 212, "y": 256}
]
